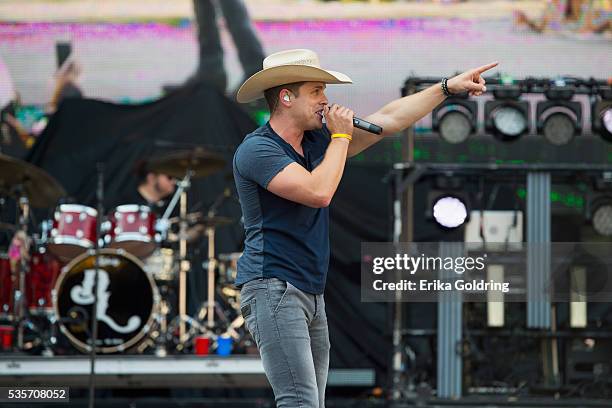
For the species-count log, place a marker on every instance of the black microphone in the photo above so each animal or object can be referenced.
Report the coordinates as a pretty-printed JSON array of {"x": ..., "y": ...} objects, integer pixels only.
[{"x": 367, "y": 126}]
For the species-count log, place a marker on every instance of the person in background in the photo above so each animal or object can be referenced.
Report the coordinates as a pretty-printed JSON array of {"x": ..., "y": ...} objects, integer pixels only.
[
  {"x": 8, "y": 101},
  {"x": 66, "y": 86},
  {"x": 584, "y": 16},
  {"x": 250, "y": 51},
  {"x": 597, "y": 17}
]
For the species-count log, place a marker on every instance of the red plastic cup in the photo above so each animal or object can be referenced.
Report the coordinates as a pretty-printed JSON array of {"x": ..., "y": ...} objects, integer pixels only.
[
  {"x": 202, "y": 344},
  {"x": 6, "y": 337}
]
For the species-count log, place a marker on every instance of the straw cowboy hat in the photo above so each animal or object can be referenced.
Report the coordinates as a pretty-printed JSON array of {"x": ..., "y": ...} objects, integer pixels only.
[{"x": 286, "y": 67}]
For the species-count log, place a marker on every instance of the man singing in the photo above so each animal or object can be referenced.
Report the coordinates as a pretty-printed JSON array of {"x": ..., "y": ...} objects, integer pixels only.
[{"x": 286, "y": 174}]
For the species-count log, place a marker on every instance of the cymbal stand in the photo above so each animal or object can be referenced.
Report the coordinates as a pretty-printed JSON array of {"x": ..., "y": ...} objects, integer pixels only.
[
  {"x": 24, "y": 268},
  {"x": 183, "y": 185},
  {"x": 184, "y": 265},
  {"x": 210, "y": 307},
  {"x": 212, "y": 264}
]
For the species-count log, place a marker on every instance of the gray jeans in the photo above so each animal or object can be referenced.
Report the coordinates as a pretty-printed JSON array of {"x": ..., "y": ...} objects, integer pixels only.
[{"x": 290, "y": 329}]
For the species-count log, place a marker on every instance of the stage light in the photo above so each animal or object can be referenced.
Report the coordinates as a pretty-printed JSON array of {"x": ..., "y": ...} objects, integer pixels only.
[
  {"x": 449, "y": 211},
  {"x": 602, "y": 115},
  {"x": 455, "y": 119},
  {"x": 602, "y": 216},
  {"x": 559, "y": 119},
  {"x": 509, "y": 122},
  {"x": 507, "y": 118}
]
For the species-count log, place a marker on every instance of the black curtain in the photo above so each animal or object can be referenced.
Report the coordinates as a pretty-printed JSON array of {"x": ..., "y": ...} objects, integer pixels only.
[
  {"x": 84, "y": 132},
  {"x": 360, "y": 211}
]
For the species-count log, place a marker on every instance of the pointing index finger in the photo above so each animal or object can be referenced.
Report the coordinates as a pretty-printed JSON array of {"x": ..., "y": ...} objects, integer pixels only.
[{"x": 487, "y": 67}]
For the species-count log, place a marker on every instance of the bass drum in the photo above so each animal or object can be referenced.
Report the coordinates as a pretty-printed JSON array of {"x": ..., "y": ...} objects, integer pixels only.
[{"x": 127, "y": 301}]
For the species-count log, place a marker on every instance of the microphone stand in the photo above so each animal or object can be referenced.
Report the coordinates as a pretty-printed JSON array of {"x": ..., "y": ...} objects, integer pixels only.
[{"x": 94, "y": 312}]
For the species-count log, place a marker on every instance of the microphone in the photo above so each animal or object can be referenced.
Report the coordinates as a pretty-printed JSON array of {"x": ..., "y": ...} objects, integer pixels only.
[{"x": 367, "y": 126}]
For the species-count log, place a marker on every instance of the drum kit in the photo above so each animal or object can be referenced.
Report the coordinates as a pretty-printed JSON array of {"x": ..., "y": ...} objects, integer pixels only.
[{"x": 47, "y": 274}]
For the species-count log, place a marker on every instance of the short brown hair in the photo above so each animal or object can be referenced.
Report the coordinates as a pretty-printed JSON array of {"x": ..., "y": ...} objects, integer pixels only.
[{"x": 272, "y": 94}]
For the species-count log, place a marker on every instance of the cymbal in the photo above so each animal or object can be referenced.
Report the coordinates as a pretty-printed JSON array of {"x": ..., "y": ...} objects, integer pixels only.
[
  {"x": 39, "y": 186},
  {"x": 199, "y": 219},
  {"x": 197, "y": 224},
  {"x": 202, "y": 163}
]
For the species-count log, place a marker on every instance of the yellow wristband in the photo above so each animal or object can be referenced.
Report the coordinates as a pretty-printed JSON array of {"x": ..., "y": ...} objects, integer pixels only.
[{"x": 342, "y": 135}]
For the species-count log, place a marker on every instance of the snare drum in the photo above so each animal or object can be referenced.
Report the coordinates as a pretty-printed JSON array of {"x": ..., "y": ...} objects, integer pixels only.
[
  {"x": 73, "y": 232},
  {"x": 127, "y": 300},
  {"x": 162, "y": 265},
  {"x": 132, "y": 227}
]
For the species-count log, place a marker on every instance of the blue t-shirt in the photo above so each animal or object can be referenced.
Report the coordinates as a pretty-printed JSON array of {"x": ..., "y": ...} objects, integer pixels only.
[{"x": 284, "y": 239}]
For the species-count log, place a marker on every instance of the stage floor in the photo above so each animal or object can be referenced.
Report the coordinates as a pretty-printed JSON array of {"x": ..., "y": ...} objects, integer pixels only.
[
  {"x": 139, "y": 375},
  {"x": 181, "y": 371}
]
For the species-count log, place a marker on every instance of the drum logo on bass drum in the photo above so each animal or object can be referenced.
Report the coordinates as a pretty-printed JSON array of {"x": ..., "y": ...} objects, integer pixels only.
[
  {"x": 83, "y": 295},
  {"x": 107, "y": 261}
]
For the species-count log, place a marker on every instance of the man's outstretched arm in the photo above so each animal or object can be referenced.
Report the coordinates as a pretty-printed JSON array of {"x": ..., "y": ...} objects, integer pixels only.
[{"x": 402, "y": 113}]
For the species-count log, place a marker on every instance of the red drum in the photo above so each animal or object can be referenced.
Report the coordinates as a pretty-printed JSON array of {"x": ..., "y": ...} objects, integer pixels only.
[
  {"x": 74, "y": 231},
  {"x": 6, "y": 288},
  {"x": 132, "y": 228},
  {"x": 44, "y": 270}
]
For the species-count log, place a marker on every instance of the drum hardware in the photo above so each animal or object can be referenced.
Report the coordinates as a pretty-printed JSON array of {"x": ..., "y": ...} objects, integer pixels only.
[
  {"x": 23, "y": 269},
  {"x": 163, "y": 336},
  {"x": 210, "y": 222},
  {"x": 184, "y": 266},
  {"x": 226, "y": 299},
  {"x": 233, "y": 326},
  {"x": 195, "y": 163},
  {"x": 192, "y": 329},
  {"x": 197, "y": 225},
  {"x": 31, "y": 187}
]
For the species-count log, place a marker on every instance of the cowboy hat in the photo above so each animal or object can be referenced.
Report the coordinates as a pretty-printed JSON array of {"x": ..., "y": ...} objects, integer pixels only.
[{"x": 286, "y": 67}]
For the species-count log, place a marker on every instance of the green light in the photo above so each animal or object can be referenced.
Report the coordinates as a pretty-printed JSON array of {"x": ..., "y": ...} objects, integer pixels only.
[
  {"x": 507, "y": 79},
  {"x": 521, "y": 193},
  {"x": 261, "y": 117},
  {"x": 570, "y": 200},
  {"x": 477, "y": 148},
  {"x": 397, "y": 145}
]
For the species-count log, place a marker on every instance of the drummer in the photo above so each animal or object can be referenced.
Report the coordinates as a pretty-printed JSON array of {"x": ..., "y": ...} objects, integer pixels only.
[{"x": 152, "y": 189}]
